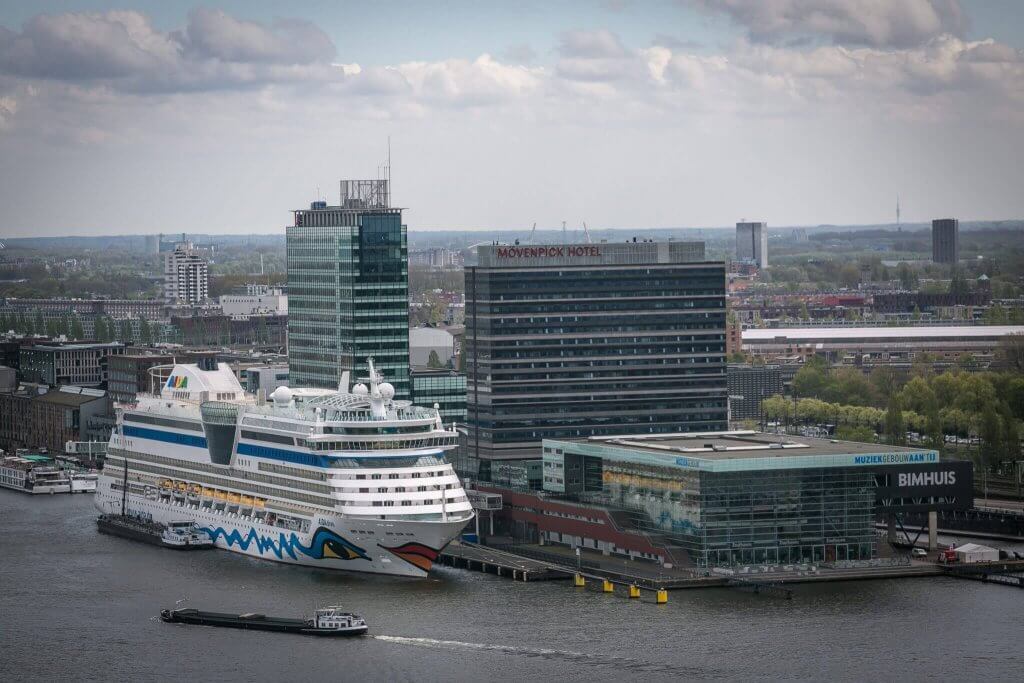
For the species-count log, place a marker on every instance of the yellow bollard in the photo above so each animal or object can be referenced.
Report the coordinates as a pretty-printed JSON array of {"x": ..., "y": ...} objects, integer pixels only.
[
  {"x": 634, "y": 591},
  {"x": 609, "y": 587},
  {"x": 662, "y": 596},
  {"x": 579, "y": 581}
]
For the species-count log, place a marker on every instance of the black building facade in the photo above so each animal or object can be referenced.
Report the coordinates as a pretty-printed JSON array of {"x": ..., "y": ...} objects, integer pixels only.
[
  {"x": 749, "y": 385},
  {"x": 575, "y": 340}
]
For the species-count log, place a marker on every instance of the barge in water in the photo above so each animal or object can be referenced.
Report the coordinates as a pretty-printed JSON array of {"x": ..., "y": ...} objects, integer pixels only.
[
  {"x": 329, "y": 621},
  {"x": 183, "y": 535}
]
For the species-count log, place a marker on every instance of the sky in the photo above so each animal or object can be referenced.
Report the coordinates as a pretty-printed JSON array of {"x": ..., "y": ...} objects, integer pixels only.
[{"x": 222, "y": 118}]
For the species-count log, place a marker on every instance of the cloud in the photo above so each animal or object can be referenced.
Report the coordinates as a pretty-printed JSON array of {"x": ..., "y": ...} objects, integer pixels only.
[
  {"x": 213, "y": 34},
  {"x": 8, "y": 107},
  {"x": 520, "y": 54},
  {"x": 892, "y": 23},
  {"x": 122, "y": 50},
  {"x": 86, "y": 46},
  {"x": 601, "y": 44}
]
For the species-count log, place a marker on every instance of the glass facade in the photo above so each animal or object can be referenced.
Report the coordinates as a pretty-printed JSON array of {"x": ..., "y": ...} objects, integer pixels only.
[
  {"x": 348, "y": 296},
  {"x": 446, "y": 388},
  {"x": 630, "y": 341},
  {"x": 740, "y": 516}
]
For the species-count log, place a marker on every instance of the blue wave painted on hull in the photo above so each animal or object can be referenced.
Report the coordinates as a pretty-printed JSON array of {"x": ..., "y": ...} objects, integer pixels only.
[{"x": 325, "y": 544}]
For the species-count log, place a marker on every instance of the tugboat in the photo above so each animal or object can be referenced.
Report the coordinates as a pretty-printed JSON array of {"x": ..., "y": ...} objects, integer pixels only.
[
  {"x": 185, "y": 535},
  {"x": 175, "y": 535},
  {"x": 328, "y": 621}
]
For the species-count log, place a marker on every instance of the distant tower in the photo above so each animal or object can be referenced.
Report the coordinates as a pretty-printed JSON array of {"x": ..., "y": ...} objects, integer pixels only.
[
  {"x": 946, "y": 240},
  {"x": 899, "y": 228},
  {"x": 752, "y": 242}
]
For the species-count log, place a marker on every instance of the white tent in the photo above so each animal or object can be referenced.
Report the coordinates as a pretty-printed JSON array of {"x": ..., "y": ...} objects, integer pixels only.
[{"x": 972, "y": 552}]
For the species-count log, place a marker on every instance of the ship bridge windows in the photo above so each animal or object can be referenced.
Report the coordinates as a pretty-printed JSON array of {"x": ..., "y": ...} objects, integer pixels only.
[
  {"x": 272, "y": 438},
  {"x": 163, "y": 422}
]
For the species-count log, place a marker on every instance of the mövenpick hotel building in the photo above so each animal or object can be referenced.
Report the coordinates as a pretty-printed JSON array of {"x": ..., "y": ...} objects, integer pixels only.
[{"x": 576, "y": 340}]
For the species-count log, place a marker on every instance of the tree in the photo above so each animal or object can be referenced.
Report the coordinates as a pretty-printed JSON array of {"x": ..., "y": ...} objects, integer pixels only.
[
  {"x": 957, "y": 284},
  {"x": 75, "y": 329},
  {"x": 1011, "y": 351},
  {"x": 907, "y": 276},
  {"x": 851, "y": 433},
  {"x": 895, "y": 431},
  {"x": 100, "y": 329},
  {"x": 916, "y": 315},
  {"x": 849, "y": 276},
  {"x": 811, "y": 380},
  {"x": 126, "y": 334},
  {"x": 145, "y": 332},
  {"x": 434, "y": 361},
  {"x": 1011, "y": 434},
  {"x": 39, "y": 325}
]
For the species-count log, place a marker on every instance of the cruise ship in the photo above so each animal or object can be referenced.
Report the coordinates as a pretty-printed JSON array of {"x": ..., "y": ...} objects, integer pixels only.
[{"x": 349, "y": 479}]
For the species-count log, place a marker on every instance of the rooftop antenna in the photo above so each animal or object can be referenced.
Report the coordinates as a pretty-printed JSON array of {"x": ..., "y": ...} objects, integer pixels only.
[{"x": 565, "y": 240}]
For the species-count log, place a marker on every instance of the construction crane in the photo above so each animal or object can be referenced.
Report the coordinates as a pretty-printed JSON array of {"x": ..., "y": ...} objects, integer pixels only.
[
  {"x": 586, "y": 232},
  {"x": 533, "y": 230}
]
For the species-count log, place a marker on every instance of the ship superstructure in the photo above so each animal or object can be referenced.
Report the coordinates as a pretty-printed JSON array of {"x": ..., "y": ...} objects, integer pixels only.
[{"x": 348, "y": 479}]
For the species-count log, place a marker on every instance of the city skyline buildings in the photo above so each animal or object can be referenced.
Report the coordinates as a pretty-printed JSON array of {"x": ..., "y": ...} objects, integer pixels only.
[{"x": 348, "y": 289}]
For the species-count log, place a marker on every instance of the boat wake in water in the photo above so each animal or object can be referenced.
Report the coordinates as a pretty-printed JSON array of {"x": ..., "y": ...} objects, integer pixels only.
[{"x": 623, "y": 663}]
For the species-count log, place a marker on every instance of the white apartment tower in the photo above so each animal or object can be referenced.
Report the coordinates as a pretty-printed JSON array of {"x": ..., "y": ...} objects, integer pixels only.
[
  {"x": 186, "y": 275},
  {"x": 752, "y": 243}
]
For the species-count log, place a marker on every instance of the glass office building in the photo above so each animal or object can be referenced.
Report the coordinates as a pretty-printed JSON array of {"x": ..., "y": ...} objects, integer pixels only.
[
  {"x": 737, "y": 498},
  {"x": 574, "y": 340},
  {"x": 348, "y": 289},
  {"x": 446, "y": 388}
]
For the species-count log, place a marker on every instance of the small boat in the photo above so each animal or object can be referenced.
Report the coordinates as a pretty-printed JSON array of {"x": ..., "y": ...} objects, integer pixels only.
[
  {"x": 176, "y": 535},
  {"x": 185, "y": 535},
  {"x": 328, "y": 621}
]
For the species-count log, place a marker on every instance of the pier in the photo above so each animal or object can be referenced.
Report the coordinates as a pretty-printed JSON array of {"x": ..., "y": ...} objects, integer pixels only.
[{"x": 552, "y": 563}]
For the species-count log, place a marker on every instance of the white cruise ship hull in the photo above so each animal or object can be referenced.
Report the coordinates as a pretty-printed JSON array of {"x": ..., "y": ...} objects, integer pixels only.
[{"x": 394, "y": 547}]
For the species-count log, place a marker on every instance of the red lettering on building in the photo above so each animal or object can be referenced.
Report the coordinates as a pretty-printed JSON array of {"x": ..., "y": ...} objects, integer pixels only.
[{"x": 574, "y": 251}]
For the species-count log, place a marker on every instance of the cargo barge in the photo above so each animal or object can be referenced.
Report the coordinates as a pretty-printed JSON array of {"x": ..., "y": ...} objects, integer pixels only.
[
  {"x": 183, "y": 535},
  {"x": 329, "y": 621}
]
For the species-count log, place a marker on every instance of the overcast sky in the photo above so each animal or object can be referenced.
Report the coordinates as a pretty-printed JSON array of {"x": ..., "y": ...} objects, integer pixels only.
[{"x": 222, "y": 118}]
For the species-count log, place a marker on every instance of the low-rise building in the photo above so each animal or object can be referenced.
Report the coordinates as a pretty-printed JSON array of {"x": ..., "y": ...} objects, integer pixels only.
[
  {"x": 258, "y": 300},
  {"x": 261, "y": 380},
  {"x": 30, "y": 419},
  {"x": 883, "y": 343},
  {"x": 424, "y": 340},
  {"x": 55, "y": 363}
]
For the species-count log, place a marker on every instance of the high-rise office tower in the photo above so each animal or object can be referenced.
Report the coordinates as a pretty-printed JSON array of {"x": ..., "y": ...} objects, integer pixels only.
[
  {"x": 348, "y": 289},
  {"x": 752, "y": 243},
  {"x": 186, "y": 275},
  {"x": 571, "y": 340},
  {"x": 945, "y": 240}
]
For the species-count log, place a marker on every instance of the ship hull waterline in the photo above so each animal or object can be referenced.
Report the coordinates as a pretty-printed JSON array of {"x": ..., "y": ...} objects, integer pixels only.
[{"x": 352, "y": 544}]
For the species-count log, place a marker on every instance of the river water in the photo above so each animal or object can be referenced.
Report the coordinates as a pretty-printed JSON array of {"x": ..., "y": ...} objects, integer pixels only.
[{"x": 78, "y": 605}]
